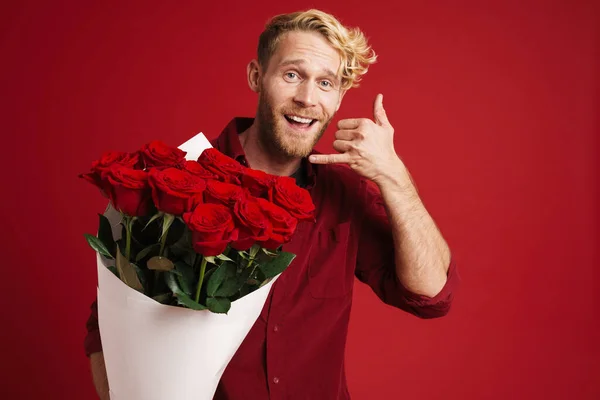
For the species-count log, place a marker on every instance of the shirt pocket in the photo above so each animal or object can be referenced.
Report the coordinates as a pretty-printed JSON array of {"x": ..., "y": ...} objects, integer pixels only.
[{"x": 329, "y": 273}]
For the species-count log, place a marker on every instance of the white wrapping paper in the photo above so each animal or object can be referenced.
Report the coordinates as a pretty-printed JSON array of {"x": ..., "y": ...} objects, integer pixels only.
[{"x": 158, "y": 352}]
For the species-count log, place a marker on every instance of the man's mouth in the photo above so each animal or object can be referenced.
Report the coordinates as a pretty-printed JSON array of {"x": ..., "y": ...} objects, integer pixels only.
[{"x": 299, "y": 122}]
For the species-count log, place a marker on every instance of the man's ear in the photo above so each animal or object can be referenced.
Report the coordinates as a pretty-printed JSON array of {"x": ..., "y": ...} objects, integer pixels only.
[{"x": 254, "y": 75}]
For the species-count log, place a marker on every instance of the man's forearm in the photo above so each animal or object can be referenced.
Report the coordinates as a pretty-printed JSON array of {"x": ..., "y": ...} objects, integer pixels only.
[
  {"x": 99, "y": 375},
  {"x": 422, "y": 255}
]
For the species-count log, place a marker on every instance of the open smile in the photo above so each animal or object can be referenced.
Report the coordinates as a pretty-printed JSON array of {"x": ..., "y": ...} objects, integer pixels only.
[{"x": 298, "y": 122}]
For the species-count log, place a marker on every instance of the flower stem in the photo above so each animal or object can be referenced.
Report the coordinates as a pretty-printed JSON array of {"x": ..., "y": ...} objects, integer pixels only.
[
  {"x": 163, "y": 241},
  {"x": 253, "y": 252},
  {"x": 161, "y": 253},
  {"x": 199, "y": 287},
  {"x": 128, "y": 238}
]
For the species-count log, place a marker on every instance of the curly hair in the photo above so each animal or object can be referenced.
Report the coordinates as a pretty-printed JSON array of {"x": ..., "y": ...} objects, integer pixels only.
[{"x": 351, "y": 43}]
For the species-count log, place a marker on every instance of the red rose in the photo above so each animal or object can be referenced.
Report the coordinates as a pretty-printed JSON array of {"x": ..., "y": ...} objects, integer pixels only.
[
  {"x": 226, "y": 168},
  {"x": 106, "y": 162},
  {"x": 212, "y": 227},
  {"x": 253, "y": 224},
  {"x": 194, "y": 168},
  {"x": 175, "y": 191},
  {"x": 258, "y": 183},
  {"x": 293, "y": 199},
  {"x": 222, "y": 193},
  {"x": 282, "y": 223},
  {"x": 160, "y": 155},
  {"x": 128, "y": 190}
]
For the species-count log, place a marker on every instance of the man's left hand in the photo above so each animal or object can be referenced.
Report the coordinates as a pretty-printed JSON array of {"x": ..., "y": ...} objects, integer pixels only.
[{"x": 366, "y": 145}]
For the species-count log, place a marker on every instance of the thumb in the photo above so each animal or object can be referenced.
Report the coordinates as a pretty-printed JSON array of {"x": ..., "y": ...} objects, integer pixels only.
[{"x": 379, "y": 112}]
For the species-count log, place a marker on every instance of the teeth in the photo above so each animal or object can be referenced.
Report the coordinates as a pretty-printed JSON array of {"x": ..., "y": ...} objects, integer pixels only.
[{"x": 301, "y": 120}]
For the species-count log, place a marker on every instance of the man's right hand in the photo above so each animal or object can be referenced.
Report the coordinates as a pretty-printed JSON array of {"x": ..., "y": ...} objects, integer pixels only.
[{"x": 99, "y": 375}]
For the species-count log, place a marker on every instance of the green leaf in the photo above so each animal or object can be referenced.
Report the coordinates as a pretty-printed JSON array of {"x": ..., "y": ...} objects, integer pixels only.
[
  {"x": 268, "y": 252},
  {"x": 185, "y": 300},
  {"x": 97, "y": 245},
  {"x": 105, "y": 235},
  {"x": 244, "y": 290},
  {"x": 185, "y": 276},
  {"x": 254, "y": 250},
  {"x": 229, "y": 287},
  {"x": 146, "y": 251},
  {"x": 277, "y": 265},
  {"x": 207, "y": 275},
  {"x": 224, "y": 258},
  {"x": 128, "y": 273},
  {"x": 140, "y": 275},
  {"x": 221, "y": 274},
  {"x": 167, "y": 221},
  {"x": 154, "y": 218},
  {"x": 233, "y": 284},
  {"x": 211, "y": 259},
  {"x": 258, "y": 275},
  {"x": 172, "y": 283},
  {"x": 182, "y": 298},
  {"x": 158, "y": 263},
  {"x": 218, "y": 305},
  {"x": 243, "y": 254},
  {"x": 113, "y": 269}
]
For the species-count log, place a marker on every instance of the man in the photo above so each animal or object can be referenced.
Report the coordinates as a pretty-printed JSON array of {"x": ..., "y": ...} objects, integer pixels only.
[{"x": 370, "y": 222}]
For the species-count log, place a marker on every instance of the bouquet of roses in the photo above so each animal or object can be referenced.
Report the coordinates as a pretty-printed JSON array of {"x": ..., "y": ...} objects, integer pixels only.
[{"x": 187, "y": 252}]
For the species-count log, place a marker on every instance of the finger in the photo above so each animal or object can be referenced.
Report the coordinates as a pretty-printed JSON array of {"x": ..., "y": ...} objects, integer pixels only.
[
  {"x": 379, "y": 112},
  {"x": 342, "y": 145},
  {"x": 330, "y": 158},
  {"x": 350, "y": 123},
  {"x": 346, "y": 134}
]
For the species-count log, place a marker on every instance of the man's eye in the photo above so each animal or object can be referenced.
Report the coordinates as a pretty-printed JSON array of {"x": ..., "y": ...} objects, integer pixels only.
[
  {"x": 326, "y": 84},
  {"x": 290, "y": 75}
]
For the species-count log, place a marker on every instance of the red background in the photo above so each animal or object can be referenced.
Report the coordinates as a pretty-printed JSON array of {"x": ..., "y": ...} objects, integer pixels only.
[{"x": 495, "y": 107}]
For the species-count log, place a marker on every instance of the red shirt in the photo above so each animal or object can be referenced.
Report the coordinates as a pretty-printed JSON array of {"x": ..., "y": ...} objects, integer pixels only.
[{"x": 295, "y": 350}]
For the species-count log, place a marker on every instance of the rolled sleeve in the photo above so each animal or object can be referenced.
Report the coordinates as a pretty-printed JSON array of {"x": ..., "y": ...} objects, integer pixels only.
[
  {"x": 424, "y": 306},
  {"x": 375, "y": 265},
  {"x": 92, "y": 343}
]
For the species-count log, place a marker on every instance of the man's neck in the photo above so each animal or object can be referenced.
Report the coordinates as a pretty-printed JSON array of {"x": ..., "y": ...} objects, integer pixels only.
[{"x": 262, "y": 158}]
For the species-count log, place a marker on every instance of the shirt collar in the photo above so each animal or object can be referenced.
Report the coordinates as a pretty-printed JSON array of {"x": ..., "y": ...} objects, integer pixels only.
[{"x": 229, "y": 144}]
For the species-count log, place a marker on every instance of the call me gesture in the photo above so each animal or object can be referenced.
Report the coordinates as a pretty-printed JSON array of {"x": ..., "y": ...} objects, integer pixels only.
[{"x": 367, "y": 146}]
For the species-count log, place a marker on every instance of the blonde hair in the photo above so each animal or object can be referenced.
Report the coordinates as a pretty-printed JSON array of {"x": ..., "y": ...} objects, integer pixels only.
[{"x": 351, "y": 43}]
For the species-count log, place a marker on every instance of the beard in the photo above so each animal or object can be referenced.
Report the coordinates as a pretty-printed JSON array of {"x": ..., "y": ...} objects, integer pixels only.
[{"x": 272, "y": 127}]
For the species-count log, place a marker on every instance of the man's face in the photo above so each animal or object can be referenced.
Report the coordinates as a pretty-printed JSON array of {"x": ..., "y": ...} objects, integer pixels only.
[{"x": 299, "y": 93}]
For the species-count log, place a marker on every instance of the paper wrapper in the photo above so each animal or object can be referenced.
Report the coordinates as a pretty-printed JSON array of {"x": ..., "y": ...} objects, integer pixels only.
[{"x": 157, "y": 352}]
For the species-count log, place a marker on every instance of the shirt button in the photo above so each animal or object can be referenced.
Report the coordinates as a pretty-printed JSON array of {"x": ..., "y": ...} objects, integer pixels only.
[
  {"x": 275, "y": 328},
  {"x": 276, "y": 380}
]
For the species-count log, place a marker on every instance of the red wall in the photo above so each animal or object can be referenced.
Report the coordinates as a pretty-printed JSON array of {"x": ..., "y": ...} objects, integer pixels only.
[{"x": 495, "y": 107}]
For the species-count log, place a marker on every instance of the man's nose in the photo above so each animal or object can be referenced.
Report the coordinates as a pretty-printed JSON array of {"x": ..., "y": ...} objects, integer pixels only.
[{"x": 305, "y": 94}]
